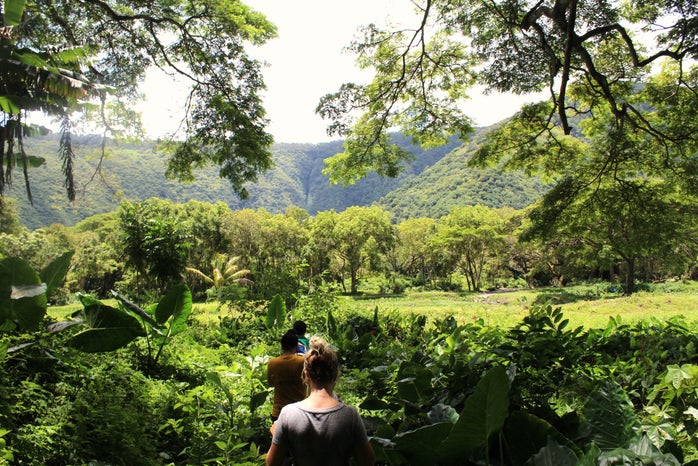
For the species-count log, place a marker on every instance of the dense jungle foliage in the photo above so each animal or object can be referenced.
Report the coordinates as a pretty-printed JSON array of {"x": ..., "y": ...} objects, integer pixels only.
[
  {"x": 132, "y": 372},
  {"x": 113, "y": 383},
  {"x": 191, "y": 383},
  {"x": 144, "y": 247}
]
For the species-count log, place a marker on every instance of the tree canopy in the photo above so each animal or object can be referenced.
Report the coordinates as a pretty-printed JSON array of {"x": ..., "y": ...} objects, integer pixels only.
[
  {"x": 70, "y": 59},
  {"x": 590, "y": 56}
]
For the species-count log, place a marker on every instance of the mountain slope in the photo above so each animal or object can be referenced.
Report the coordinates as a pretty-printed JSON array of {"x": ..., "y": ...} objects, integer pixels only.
[
  {"x": 450, "y": 182},
  {"x": 436, "y": 179}
]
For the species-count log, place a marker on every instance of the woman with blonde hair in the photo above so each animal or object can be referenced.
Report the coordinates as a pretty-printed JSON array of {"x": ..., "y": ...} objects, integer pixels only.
[{"x": 320, "y": 430}]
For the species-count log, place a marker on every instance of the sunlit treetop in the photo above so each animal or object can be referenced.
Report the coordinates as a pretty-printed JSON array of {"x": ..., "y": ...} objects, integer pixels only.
[
  {"x": 74, "y": 59},
  {"x": 587, "y": 55}
]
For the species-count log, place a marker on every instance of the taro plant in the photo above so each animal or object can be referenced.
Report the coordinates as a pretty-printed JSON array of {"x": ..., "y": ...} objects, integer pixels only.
[
  {"x": 452, "y": 438},
  {"x": 106, "y": 328},
  {"x": 24, "y": 293},
  {"x": 488, "y": 431},
  {"x": 276, "y": 316},
  {"x": 449, "y": 417}
]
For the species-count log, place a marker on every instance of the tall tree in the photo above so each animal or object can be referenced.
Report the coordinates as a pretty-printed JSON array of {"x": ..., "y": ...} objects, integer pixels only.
[
  {"x": 56, "y": 56},
  {"x": 155, "y": 243},
  {"x": 411, "y": 253},
  {"x": 619, "y": 187},
  {"x": 470, "y": 236},
  {"x": 588, "y": 55},
  {"x": 357, "y": 232},
  {"x": 622, "y": 115},
  {"x": 9, "y": 221},
  {"x": 321, "y": 243}
]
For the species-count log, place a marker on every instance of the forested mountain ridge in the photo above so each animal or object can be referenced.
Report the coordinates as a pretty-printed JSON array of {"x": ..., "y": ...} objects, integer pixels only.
[
  {"x": 450, "y": 182},
  {"x": 136, "y": 172}
]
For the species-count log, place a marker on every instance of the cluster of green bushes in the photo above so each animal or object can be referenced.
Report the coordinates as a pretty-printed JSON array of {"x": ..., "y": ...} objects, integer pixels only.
[
  {"x": 431, "y": 391},
  {"x": 144, "y": 248}
]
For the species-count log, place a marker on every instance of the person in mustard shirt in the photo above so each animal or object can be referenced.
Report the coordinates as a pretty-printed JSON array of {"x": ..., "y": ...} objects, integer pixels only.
[
  {"x": 285, "y": 375},
  {"x": 320, "y": 430}
]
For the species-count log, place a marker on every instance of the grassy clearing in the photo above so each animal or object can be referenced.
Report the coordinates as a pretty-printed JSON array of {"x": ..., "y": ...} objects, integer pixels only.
[{"x": 590, "y": 306}]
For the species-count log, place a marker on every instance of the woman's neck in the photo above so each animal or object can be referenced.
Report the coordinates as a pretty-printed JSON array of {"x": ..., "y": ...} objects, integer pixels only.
[
  {"x": 321, "y": 392},
  {"x": 321, "y": 398}
]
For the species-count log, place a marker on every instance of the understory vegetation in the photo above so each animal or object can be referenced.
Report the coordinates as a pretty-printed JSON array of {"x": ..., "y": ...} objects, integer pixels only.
[
  {"x": 109, "y": 382},
  {"x": 142, "y": 337}
]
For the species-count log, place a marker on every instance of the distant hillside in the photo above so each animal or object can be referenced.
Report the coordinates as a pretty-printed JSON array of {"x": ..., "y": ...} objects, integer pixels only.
[
  {"x": 450, "y": 182},
  {"x": 135, "y": 172}
]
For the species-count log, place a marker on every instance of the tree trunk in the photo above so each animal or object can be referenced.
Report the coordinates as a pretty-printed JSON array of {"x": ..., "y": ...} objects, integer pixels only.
[
  {"x": 354, "y": 281},
  {"x": 629, "y": 276}
]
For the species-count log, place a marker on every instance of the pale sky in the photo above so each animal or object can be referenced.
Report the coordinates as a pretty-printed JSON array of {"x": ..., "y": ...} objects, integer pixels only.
[{"x": 306, "y": 62}]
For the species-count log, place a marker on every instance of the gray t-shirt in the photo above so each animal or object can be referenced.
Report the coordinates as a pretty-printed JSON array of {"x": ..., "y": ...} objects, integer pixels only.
[{"x": 321, "y": 436}]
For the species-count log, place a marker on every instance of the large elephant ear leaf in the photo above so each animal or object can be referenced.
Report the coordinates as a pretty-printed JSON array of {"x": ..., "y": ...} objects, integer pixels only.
[
  {"x": 108, "y": 329},
  {"x": 22, "y": 295},
  {"x": 420, "y": 445},
  {"x": 554, "y": 454},
  {"x": 54, "y": 273},
  {"x": 610, "y": 417},
  {"x": 483, "y": 414},
  {"x": 528, "y": 435},
  {"x": 177, "y": 303},
  {"x": 276, "y": 313}
]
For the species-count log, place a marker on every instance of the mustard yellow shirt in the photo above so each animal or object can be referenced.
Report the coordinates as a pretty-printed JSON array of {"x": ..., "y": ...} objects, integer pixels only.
[{"x": 284, "y": 373}]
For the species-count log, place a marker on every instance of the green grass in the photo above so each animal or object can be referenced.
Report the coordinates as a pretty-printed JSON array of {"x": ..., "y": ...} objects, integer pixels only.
[{"x": 590, "y": 306}]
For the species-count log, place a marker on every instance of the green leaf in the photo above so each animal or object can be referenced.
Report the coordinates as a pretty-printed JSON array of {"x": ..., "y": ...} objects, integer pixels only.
[
  {"x": 420, "y": 445},
  {"x": 215, "y": 378},
  {"x": 527, "y": 434},
  {"x": 22, "y": 295},
  {"x": 676, "y": 375},
  {"x": 221, "y": 445},
  {"x": 13, "y": 12},
  {"x": 331, "y": 325},
  {"x": 8, "y": 105},
  {"x": 54, "y": 273},
  {"x": 483, "y": 414},
  {"x": 177, "y": 303},
  {"x": 258, "y": 399},
  {"x": 276, "y": 314},
  {"x": 589, "y": 458},
  {"x": 32, "y": 161},
  {"x": 554, "y": 454},
  {"x": 442, "y": 413},
  {"x": 35, "y": 161},
  {"x": 137, "y": 311},
  {"x": 60, "y": 326},
  {"x": 640, "y": 451},
  {"x": 86, "y": 300},
  {"x": 372, "y": 402},
  {"x": 108, "y": 329},
  {"x": 610, "y": 416},
  {"x": 414, "y": 382}
]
